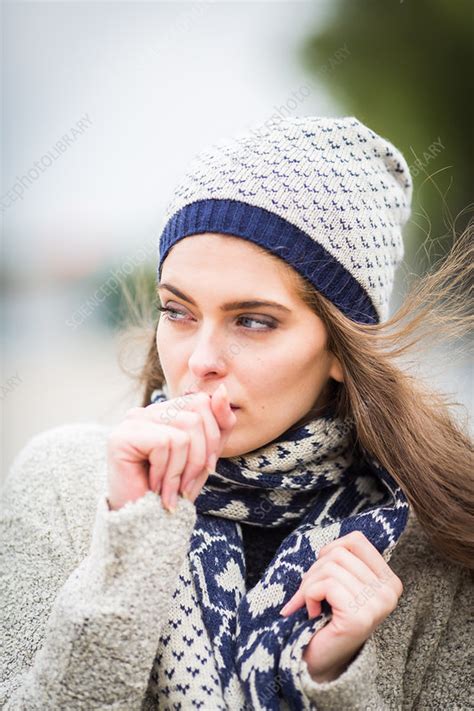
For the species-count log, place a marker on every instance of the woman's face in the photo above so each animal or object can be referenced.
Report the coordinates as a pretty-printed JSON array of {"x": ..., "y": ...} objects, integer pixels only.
[{"x": 271, "y": 359}]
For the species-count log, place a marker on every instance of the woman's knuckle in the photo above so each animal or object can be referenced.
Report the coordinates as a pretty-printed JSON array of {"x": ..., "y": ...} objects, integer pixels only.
[
  {"x": 339, "y": 555},
  {"x": 196, "y": 466},
  {"x": 181, "y": 438},
  {"x": 162, "y": 417},
  {"x": 161, "y": 441},
  {"x": 193, "y": 418},
  {"x": 394, "y": 604},
  {"x": 330, "y": 568},
  {"x": 395, "y": 598},
  {"x": 332, "y": 587},
  {"x": 398, "y": 586},
  {"x": 389, "y": 597},
  {"x": 201, "y": 398}
]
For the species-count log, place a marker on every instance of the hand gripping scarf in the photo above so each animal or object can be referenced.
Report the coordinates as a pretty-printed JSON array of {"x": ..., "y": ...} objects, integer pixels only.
[{"x": 308, "y": 476}]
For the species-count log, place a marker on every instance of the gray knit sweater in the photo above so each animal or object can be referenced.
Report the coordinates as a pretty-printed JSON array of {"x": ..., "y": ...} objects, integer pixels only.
[{"x": 85, "y": 592}]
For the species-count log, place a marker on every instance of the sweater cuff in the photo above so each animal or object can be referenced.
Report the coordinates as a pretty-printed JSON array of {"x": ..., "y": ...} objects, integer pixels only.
[
  {"x": 353, "y": 690},
  {"x": 138, "y": 534}
]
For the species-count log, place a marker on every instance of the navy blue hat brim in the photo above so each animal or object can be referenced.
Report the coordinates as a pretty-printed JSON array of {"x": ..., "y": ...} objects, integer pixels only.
[{"x": 270, "y": 231}]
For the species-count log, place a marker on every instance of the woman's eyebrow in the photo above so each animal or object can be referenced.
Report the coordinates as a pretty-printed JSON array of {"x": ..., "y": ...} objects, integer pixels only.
[{"x": 231, "y": 306}]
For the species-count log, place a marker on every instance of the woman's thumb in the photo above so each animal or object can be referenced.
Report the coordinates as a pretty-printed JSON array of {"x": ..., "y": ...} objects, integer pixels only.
[{"x": 226, "y": 419}]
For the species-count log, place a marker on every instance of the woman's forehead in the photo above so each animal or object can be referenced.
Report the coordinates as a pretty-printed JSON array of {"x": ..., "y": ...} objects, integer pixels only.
[{"x": 236, "y": 253}]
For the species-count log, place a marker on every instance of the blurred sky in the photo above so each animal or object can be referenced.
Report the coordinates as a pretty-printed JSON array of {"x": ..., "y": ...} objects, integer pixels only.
[
  {"x": 138, "y": 89},
  {"x": 158, "y": 81},
  {"x": 152, "y": 84}
]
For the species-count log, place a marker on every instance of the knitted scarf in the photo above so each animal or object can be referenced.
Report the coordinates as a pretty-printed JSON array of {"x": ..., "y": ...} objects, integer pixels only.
[{"x": 309, "y": 476}]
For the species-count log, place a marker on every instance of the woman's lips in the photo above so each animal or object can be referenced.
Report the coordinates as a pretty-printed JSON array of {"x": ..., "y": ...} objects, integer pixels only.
[{"x": 232, "y": 406}]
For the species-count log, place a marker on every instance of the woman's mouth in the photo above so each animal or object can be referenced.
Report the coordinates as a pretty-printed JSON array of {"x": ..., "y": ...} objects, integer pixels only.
[{"x": 232, "y": 406}]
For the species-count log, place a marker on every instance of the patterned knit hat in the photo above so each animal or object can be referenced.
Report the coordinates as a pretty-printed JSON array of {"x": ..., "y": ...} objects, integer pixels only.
[{"x": 327, "y": 195}]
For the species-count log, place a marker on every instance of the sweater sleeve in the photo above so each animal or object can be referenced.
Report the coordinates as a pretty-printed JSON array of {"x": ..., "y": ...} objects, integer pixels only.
[
  {"x": 81, "y": 631},
  {"x": 354, "y": 690},
  {"x": 449, "y": 677},
  {"x": 419, "y": 656}
]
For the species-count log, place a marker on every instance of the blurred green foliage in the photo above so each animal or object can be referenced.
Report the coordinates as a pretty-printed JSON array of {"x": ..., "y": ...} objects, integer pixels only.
[
  {"x": 134, "y": 301},
  {"x": 408, "y": 76}
]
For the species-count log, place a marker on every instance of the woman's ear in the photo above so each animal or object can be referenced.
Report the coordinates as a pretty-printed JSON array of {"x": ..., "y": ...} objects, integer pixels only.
[{"x": 335, "y": 370}]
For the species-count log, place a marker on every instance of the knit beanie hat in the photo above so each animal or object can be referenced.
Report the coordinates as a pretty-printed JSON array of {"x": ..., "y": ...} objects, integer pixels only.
[{"x": 327, "y": 195}]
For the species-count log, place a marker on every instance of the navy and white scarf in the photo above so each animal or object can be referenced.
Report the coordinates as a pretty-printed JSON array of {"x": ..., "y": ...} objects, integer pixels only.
[{"x": 308, "y": 476}]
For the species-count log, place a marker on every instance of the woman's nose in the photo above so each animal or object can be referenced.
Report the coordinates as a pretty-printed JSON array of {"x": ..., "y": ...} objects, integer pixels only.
[{"x": 206, "y": 357}]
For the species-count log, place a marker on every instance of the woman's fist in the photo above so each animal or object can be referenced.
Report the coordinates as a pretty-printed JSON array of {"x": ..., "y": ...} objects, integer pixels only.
[
  {"x": 362, "y": 590},
  {"x": 168, "y": 447}
]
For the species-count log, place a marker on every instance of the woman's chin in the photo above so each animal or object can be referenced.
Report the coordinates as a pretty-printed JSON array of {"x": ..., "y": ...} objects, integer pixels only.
[
  {"x": 235, "y": 446},
  {"x": 238, "y": 446}
]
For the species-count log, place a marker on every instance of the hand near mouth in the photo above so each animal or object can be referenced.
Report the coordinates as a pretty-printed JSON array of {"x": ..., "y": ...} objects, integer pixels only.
[{"x": 168, "y": 447}]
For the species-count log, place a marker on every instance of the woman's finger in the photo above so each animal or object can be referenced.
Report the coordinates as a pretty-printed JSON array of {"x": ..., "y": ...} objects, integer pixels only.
[
  {"x": 201, "y": 402},
  {"x": 226, "y": 419},
  {"x": 333, "y": 644},
  {"x": 314, "y": 593},
  {"x": 194, "y": 488},
  {"x": 218, "y": 420},
  {"x": 208, "y": 420},
  {"x": 347, "y": 560},
  {"x": 166, "y": 449},
  {"x": 192, "y": 422},
  {"x": 224, "y": 414},
  {"x": 158, "y": 458},
  {"x": 179, "y": 413},
  {"x": 169, "y": 412},
  {"x": 179, "y": 451},
  {"x": 360, "y": 546},
  {"x": 129, "y": 448},
  {"x": 331, "y": 570}
]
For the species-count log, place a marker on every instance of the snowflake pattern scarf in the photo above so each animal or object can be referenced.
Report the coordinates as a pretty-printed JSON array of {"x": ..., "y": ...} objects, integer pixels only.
[{"x": 307, "y": 476}]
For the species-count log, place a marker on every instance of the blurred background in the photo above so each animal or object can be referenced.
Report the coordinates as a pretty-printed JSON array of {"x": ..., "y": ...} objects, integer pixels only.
[{"x": 105, "y": 103}]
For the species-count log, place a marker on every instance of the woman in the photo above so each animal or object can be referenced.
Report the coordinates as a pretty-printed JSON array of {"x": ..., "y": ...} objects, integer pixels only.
[{"x": 227, "y": 545}]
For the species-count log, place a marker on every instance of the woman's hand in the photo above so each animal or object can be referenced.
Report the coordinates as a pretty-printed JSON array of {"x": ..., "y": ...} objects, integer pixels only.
[
  {"x": 362, "y": 590},
  {"x": 168, "y": 447}
]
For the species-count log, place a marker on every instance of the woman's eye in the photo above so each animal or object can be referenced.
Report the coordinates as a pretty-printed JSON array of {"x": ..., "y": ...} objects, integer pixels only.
[
  {"x": 173, "y": 314},
  {"x": 265, "y": 324},
  {"x": 168, "y": 311}
]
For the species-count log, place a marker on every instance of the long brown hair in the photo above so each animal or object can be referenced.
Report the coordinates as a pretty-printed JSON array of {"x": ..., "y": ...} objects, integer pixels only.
[{"x": 407, "y": 426}]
